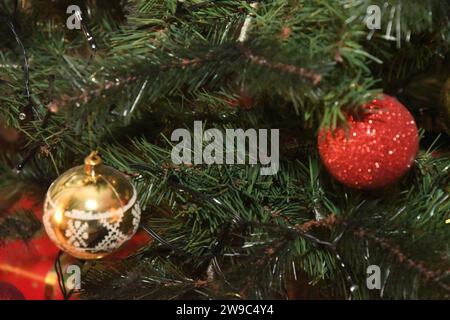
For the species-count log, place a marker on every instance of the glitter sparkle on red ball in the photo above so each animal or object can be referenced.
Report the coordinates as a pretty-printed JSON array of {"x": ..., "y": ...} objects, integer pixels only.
[{"x": 375, "y": 149}]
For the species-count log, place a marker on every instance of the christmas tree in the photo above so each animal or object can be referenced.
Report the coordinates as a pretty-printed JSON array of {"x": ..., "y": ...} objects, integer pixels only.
[{"x": 279, "y": 149}]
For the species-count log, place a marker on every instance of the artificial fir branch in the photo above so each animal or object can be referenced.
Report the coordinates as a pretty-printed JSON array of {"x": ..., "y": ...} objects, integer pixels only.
[
  {"x": 21, "y": 225},
  {"x": 189, "y": 55},
  {"x": 429, "y": 275}
]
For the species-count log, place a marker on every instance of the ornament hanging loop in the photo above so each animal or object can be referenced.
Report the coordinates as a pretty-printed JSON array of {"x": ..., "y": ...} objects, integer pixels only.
[{"x": 92, "y": 161}]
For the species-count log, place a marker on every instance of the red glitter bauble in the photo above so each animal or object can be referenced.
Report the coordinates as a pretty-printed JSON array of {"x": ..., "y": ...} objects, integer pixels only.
[{"x": 375, "y": 149}]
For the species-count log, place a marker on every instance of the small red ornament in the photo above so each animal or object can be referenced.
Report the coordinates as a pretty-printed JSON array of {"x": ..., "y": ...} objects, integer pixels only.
[{"x": 375, "y": 150}]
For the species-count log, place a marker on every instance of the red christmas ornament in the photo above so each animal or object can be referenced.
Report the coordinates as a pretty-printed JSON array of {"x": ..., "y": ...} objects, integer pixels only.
[{"x": 375, "y": 150}]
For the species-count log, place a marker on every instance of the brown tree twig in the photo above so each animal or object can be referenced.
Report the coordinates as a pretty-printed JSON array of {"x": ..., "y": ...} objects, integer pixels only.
[
  {"x": 394, "y": 250},
  {"x": 419, "y": 266},
  {"x": 314, "y": 77}
]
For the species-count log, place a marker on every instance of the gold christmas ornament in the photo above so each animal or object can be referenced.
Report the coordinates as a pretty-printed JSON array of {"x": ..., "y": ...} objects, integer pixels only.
[{"x": 91, "y": 210}]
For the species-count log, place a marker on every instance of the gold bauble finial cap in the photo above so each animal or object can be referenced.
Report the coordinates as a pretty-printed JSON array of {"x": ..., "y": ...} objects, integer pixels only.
[{"x": 92, "y": 161}]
